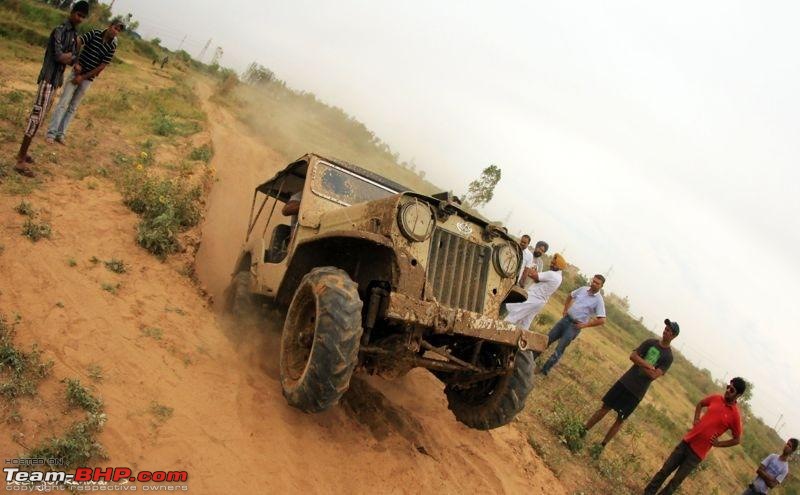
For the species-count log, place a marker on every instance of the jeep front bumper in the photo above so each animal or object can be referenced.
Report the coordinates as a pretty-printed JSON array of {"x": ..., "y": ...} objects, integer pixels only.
[{"x": 450, "y": 321}]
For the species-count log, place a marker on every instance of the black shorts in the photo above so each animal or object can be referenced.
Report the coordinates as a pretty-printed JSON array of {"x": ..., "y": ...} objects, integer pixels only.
[{"x": 620, "y": 400}]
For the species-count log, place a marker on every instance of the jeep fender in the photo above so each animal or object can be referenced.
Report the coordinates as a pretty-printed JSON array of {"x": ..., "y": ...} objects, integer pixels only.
[{"x": 345, "y": 250}]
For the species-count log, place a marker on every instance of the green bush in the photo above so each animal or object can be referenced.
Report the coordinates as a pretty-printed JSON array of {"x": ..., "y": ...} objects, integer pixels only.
[
  {"x": 164, "y": 125},
  {"x": 154, "y": 197},
  {"x": 77, "y": 446},
  {"x": 167, "y": 206},
  {"x": 36, "y": 231},
  {"x": 569, "y": 427},
  {"x": 146, "y": 49},
  {"x": 11, "y": 30},
  {"x": 20, "y": 371},
  {"x": 79, "y": 396},
  {"x": 159, "y": 235},
  {"x": 203, "y": 153}
]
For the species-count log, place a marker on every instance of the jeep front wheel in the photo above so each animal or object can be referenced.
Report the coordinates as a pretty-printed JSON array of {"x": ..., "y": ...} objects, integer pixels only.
[
  {"x": 494, "y": 402},
  {"x": 321, "y": 334}
]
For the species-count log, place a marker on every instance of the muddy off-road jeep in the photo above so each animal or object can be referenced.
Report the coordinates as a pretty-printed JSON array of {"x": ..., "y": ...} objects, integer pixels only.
[{"x": 376, "y": 278}]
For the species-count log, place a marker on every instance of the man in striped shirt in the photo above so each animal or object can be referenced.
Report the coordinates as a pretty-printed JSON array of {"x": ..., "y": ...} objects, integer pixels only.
[
  {"x": 62, "y": 50},
  {"x": 97, "y": 51}
]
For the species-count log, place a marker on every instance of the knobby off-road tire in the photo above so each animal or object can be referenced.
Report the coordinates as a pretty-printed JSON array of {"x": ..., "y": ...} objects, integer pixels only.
[
  {"x": 321, "y": 334},
  {"x": 238, "y": 298},
  {"x": 495, "y": 402}
]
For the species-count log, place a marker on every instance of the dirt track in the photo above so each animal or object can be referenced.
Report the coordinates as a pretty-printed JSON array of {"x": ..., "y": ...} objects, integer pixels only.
[{"x": 231, "y": 429}]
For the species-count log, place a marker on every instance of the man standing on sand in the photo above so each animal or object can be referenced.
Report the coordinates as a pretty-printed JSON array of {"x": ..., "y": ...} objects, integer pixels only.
[
  {"x": 62, "y": 50},
  {"x": 97, "y": 51},
  {"x": 722, "y": 415},
  {"x": 772, "y": 470},
  {"x": 651, "y": 360},
  {"x": 583, "y": 308},
  {"x": 539, "y": 292}
]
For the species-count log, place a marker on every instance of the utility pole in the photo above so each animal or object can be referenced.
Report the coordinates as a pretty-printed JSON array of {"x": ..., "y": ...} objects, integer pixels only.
[
  {"x": 217, "y": 56},
  {"x": 203, "y": 51},
  {"x": 111, "y": 5},
  {"x": 181, "y": 43},
  {"x": 776, "y": 422}
]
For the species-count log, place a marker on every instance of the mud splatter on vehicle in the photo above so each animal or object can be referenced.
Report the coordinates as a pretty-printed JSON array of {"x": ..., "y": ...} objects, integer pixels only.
[{"x": 380, "y": 279}]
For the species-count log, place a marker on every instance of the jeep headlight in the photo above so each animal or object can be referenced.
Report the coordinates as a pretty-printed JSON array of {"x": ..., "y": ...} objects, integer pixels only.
[
  {"x": 416, "y": 220},
  {"x": 506, "y": 260}
]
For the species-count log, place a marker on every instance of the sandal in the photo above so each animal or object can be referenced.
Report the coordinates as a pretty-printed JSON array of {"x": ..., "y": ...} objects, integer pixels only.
[
  {"x": 29, "y": 159},
  {"x": 24, "y": 170}
]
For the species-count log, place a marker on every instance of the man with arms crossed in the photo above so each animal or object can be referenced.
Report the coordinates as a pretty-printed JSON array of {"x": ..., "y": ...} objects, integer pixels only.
[
  {"x": 772, "y": 470},
  {"x": 651, "y": 360},
  {"x": 543, "y": 286},
  {"x": 583, "y": 308},
  {"x": 722, "y": 415},
  {"x": 62, "y": 50}
]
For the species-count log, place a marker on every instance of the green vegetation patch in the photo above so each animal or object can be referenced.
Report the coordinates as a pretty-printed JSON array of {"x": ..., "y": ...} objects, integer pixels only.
[
  {"x": 25, "y": 208},
  {"x": 202, "y": 153},
  {"x": 167, "y": 206},
  {"x": 36, "y": 231},
  {"x": 115, "y": 265},
  {"x": 15, "y": 105},
  {"x": 80, "y": 396},
  {"x": 20, "y": 371},
  {"x": 77, "y": 446}
]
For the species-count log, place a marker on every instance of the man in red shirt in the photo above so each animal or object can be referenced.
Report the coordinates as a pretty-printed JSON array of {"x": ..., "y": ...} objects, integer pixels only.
[{"x": 722, "y": 415}]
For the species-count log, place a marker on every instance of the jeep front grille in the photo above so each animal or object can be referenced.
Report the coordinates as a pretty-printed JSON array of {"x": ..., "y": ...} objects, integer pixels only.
[{"x": 457, "y": 271}]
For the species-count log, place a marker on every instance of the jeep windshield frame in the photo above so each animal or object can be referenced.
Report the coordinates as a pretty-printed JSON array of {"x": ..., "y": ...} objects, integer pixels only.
[{"x": 345, "y": 187}]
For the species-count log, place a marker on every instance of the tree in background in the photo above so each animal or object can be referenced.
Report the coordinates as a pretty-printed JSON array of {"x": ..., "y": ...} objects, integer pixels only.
[{"x": 481, "y": 190}]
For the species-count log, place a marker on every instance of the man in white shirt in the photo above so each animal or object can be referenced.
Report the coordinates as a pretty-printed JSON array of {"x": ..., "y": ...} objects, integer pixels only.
[
  {"x": 539, "y": 291},
  {"x": 531, "y": 261},
  {"x": 772, "y": 471},
  {"x": 527, "y": 258},
  {"x": 583, "y": 308}
]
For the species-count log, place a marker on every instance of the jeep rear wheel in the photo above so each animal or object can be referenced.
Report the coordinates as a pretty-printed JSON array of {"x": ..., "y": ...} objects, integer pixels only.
[
  {"x": 494, "y": 402},
  {"x": 238, "y": 299},
  {"x": 319, "y": 345}
]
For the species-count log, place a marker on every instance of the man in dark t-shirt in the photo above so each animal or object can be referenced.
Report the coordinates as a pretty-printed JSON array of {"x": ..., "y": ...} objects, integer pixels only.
[
  {"x": 62, "y": 50},
  {"x": 651, "y": 360}
]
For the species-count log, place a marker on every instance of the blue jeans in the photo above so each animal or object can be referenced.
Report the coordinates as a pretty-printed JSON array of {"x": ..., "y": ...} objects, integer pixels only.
[
  {"x": 565, "y": 332},
  {"x": 67, "y": 105}
]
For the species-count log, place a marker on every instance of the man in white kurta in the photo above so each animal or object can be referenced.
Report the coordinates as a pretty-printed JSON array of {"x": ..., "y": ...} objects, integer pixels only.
[{"x": 543, "y": 286}]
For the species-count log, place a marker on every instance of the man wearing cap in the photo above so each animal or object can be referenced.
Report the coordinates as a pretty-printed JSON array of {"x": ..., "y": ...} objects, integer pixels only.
[
  {"x": 722, "y": 415},
  {"x": 539, "y": 291},
  {"x": 97, "y": 51},
  {"x": 583, "y": 308},
  {"x": 651, "y": 360},
  {"x": 62, "y": 50},
  {"x": 772, "y": 470}
]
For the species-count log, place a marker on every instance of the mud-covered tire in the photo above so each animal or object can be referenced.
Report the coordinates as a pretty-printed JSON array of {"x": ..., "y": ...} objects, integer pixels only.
[
  {"x": 489, "y": 405},
  {"x": 238, "y": 298},
  {"x": 319, "y": 344}
]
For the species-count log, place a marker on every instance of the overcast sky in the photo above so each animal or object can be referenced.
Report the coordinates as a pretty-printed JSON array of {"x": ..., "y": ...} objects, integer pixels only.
[{"x": 657, "y": 139}]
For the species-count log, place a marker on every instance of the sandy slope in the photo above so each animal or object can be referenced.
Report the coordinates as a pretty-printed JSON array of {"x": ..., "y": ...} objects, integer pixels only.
[{"x": 231, "y": 428}]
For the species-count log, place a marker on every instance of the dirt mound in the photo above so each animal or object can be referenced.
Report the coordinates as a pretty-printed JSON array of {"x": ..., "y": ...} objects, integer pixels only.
[{"x": 159, "y": 343}]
